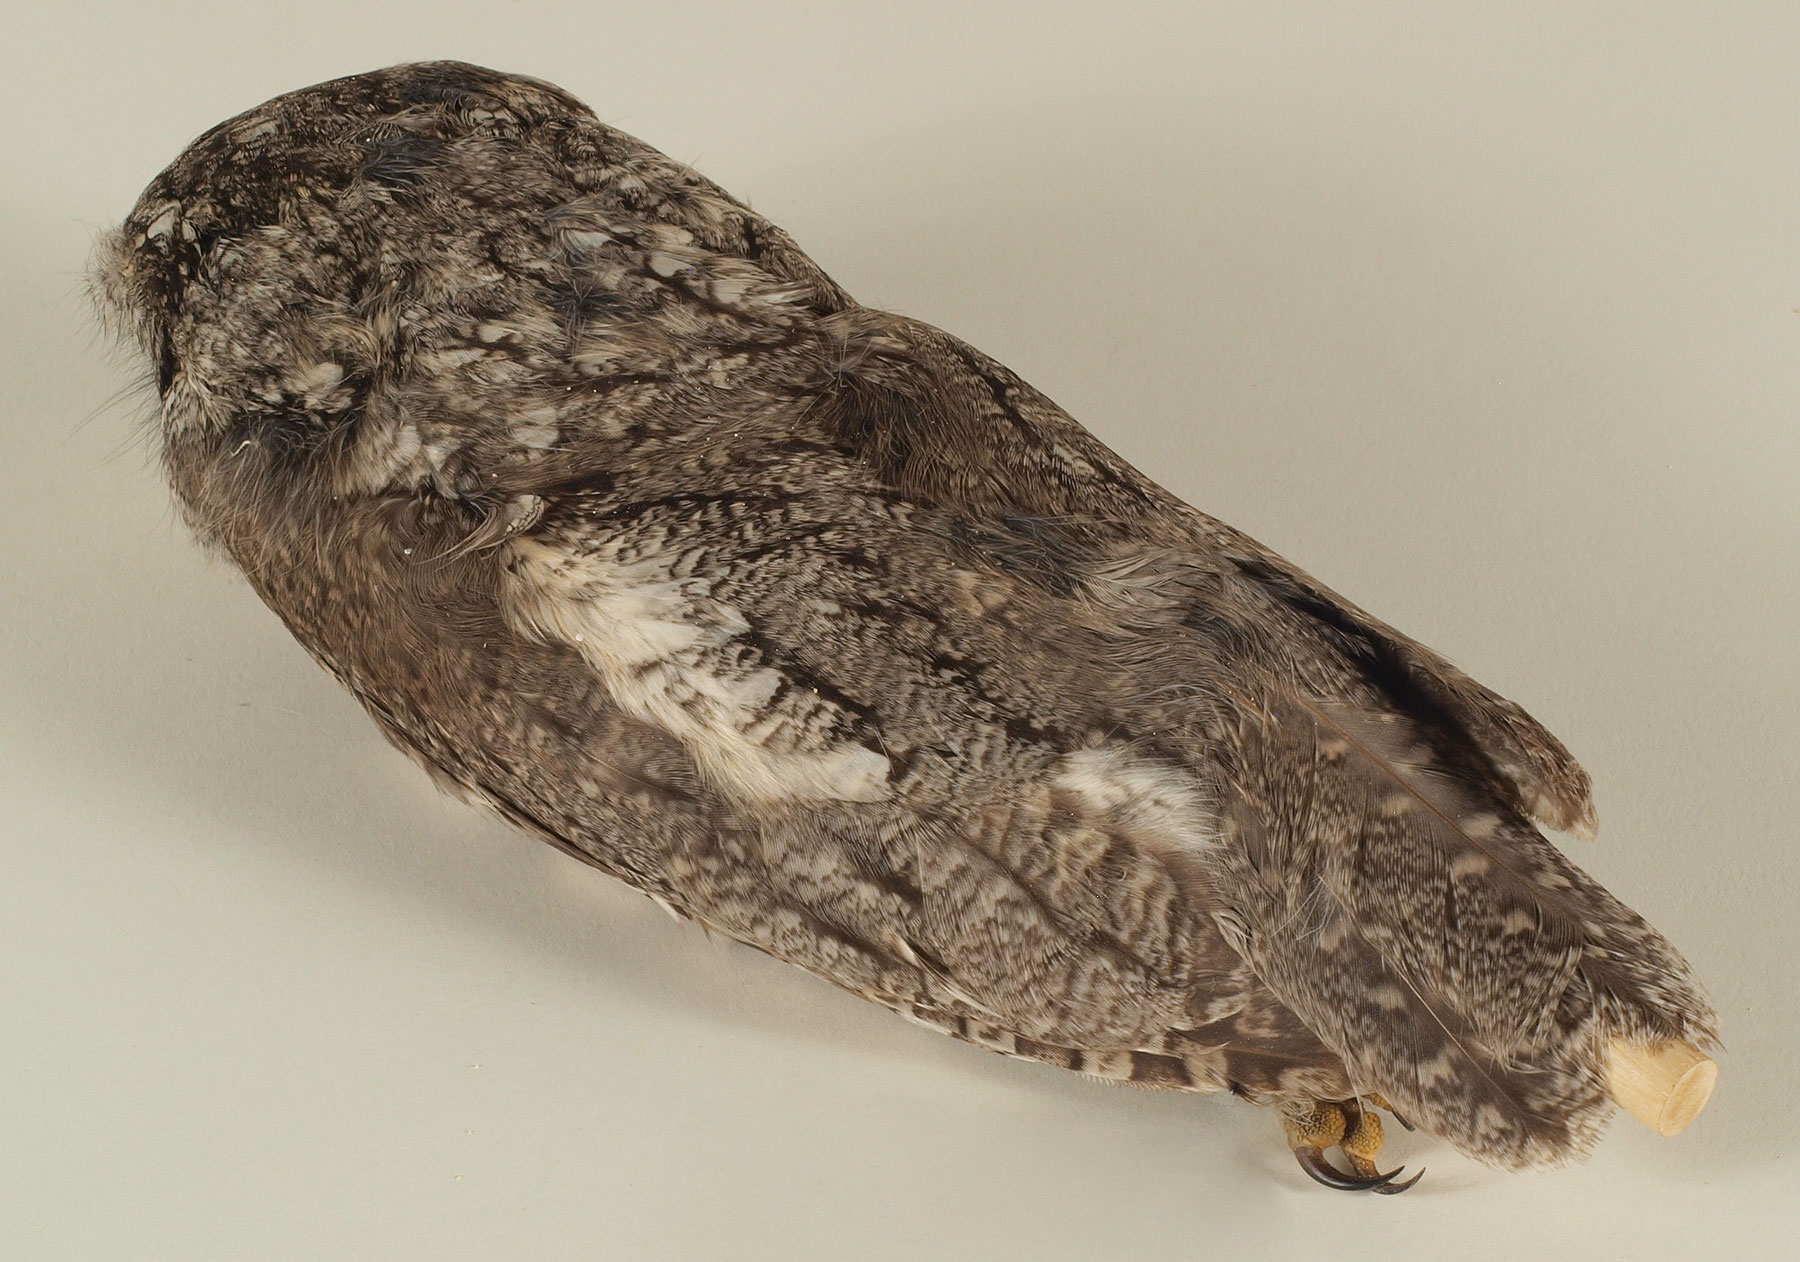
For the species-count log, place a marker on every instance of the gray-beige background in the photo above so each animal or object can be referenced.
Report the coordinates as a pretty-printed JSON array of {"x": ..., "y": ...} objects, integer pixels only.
[{"x": 1486, "y": 320}]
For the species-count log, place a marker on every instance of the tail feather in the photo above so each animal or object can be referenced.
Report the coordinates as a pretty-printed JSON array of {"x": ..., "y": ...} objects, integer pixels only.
[
  {"x": 1489, "y": 737},
  {"x": 1459, "y": 965}
]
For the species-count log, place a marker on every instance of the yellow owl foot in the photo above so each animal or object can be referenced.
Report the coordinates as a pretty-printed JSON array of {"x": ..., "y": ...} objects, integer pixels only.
[{"x": 1346, "y": 1125}]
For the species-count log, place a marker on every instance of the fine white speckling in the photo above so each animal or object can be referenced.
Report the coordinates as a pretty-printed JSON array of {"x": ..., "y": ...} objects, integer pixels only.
[
  {"x": 1394, "y": 805},
  {"x": 1519, "y": 920},
  {"x": 1480, "y": 827},
  {"x": 1389, "y": 998},
  {"x": 1469, "y": 864},
  {"x": 315, "y": 383}
]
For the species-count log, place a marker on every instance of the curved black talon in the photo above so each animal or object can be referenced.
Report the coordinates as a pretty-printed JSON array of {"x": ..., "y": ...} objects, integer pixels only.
[
  {"x": 1394, "y": 1189},
  {"x": 1312, "y": 1160},
  {"x": 1404, "y": 1125}
]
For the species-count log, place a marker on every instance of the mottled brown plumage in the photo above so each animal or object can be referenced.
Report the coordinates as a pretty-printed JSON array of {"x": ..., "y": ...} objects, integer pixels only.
[{"x": 821, "y": 627}]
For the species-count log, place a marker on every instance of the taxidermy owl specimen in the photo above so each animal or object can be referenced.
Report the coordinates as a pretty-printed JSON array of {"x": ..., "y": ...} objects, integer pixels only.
[{"x": 820, "y": 627}]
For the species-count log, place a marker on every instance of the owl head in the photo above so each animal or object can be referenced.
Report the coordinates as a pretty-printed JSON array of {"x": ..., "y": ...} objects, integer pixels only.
[{"x": 270, "y": 272}]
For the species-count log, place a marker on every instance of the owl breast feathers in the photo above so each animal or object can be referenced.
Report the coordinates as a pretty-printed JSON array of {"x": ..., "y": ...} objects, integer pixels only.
[{"x": 821, "y": 627}]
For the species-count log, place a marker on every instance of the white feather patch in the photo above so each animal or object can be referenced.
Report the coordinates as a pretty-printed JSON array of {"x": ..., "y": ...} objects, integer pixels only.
[
  {"x": 666, "y": 651},
  {"x": 1161, "y": 806}
]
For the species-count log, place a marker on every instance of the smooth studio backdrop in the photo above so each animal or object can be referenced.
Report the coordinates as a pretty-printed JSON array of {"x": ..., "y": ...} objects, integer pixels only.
[{"x": 1485, "y": 315}]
